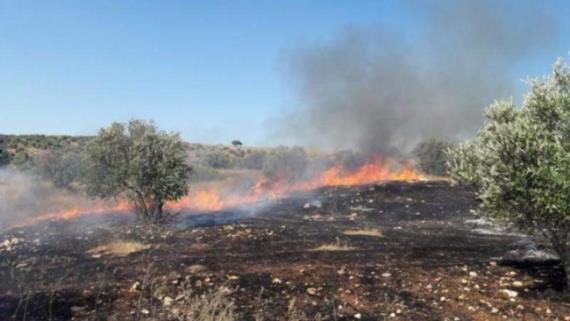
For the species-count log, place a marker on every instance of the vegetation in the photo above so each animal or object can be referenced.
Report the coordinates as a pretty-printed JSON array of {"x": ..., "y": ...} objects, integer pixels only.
[
  {"x": 520, "y": 161},
  {"x": 5, "y": 157},
  {"x": 214, "y": 305},
  {"x": 140, "y": 162},
  {"x": 61, "y": 166},
  {"x": 43, "y": 141},
  {"x": 254, "y": 160},
  {"x": 203, "y": 174},
  {"x": 287, "y": 163},
  {"x": 432, "y": 157},
  {"x": 219, "y": 160}
]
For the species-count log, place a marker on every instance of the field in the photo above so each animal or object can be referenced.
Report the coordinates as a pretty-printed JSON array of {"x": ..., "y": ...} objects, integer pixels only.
[{"x": 393, "y": 251}]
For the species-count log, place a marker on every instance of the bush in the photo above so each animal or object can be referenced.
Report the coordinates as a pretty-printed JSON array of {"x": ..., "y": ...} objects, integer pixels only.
[
  {"x": 432, "y": 157},
  {"x": 5, "y": 157},
  {"x": 519, "y": 161},
  {"x": 287, "y": 163},
  {"x": 137, "y": 161},
  {"x": 21, "y": 159},
  {"x": 61, "y": 166},
  {"x": 214, "y": 305},
  {"x": 254, "y": 160}
]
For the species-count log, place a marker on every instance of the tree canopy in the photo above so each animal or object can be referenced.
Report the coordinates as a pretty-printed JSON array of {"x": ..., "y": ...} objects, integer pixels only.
[
  {"x": 139, "y": 162},
  {"x": 520, "y": 161}
]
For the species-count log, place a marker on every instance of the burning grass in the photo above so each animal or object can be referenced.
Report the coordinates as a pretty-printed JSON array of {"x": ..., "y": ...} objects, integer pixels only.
[{"x": 238, "y": 190}]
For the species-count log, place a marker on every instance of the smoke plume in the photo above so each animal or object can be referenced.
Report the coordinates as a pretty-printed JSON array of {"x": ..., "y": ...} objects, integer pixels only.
[{"x": 381, "y": 90}]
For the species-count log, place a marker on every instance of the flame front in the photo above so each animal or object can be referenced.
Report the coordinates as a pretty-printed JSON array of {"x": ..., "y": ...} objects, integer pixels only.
[{"x": 218, "y": 197}]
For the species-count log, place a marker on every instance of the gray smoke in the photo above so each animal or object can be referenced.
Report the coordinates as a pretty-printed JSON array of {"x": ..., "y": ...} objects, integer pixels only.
[{"x": 374, "y": 90}]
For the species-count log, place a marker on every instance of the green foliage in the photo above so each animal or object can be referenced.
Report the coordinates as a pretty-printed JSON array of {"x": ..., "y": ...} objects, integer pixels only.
[
  {"x": 520, "y": 161},
  {"x": 21, "y": 159},
  {"x": 140, "y": 162},
  {"x": 462, "y": 163},
  {"x": 5, "y": 157},
  {"x": 62, "y": 166},
  {"x": 286, "y": 163},
  {"x": 432, "y": 157}
]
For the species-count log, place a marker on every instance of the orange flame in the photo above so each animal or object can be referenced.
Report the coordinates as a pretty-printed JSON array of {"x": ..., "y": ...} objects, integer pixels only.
[{"x": 210, "y": 199}]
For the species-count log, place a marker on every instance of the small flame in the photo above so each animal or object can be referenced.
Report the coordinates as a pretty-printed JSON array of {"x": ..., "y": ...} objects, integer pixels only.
[{"x": 215, "y": 198}]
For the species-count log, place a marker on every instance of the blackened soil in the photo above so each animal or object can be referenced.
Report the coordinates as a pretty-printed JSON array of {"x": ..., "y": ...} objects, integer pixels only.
[{"x": 394, "y": 251}]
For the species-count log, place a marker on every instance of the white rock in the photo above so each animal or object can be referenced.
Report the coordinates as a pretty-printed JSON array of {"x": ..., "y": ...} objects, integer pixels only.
[
  {"x": 76, "y": 309},
  {"x": 510, "y": 293},
  {"x": 358, "y": 316},
  {"x": 135, "y": 287}
]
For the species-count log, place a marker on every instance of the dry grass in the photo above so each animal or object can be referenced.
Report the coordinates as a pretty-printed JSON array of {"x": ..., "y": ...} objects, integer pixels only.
[
  {"x": 374, "y": 232},
  {"x": 338, "y": 246},
  {"x": 215, "y": 305},
  {"x": 118, "y": 248}
]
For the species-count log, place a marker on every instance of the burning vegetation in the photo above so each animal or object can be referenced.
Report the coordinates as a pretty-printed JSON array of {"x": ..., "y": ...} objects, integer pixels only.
[{"x": 383, "y": 215}]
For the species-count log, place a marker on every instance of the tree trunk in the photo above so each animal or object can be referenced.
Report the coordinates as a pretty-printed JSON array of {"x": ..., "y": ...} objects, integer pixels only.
[
  {"x": 559, "y": 241},
  {"x": 141, "y": 207}
]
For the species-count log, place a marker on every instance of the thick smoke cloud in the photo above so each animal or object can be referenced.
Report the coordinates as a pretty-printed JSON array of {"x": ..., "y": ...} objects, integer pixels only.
[{"x": 378, "y": 91}]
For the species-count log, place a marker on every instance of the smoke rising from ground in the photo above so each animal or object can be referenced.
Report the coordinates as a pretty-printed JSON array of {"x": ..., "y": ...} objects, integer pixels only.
[
  {"x": 24, "y": 197},
  {"x": 375, "y": 91}
]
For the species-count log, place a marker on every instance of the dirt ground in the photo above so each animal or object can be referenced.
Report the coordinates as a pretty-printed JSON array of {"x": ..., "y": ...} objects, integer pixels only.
[{"x": 393, "y": 251}]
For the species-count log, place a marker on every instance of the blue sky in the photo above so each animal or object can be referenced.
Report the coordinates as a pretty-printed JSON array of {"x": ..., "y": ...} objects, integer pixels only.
[{"x": 213, "y": 70}]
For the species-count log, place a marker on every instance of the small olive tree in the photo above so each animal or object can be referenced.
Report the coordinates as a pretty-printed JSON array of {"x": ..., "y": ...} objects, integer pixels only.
[
  {"x": 431, "y": 156},
  {"x": 137, "y": 161},
  {"x": 520, "y": 161}
]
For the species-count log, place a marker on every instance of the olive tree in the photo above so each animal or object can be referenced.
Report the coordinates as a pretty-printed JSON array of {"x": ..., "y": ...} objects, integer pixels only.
[
  {"x": 520, "y": 161},
  {"x": 431, "y": 155},
  {"x": 139, "y": 162}
]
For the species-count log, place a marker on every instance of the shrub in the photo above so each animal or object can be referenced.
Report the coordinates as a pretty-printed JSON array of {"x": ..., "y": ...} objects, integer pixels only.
[
  {"x": 519, "y": 161},
  {"x": 5, "y": 157},
  {"x": 254, "y": 160},
  {"x": 61, "y": 166},
  {"x": 21, "y": 158},
  {"x": 137, "y": 161},
  {"x": 432, "y": 157},
  {"x": 215, "y": 305},
  {"x": 288, "y": 163}
]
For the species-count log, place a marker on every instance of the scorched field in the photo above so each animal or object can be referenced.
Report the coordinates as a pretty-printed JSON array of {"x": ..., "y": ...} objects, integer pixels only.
[{"x": 386, "y": 251}]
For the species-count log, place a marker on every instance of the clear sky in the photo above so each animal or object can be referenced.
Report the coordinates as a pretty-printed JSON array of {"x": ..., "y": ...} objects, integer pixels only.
[{"x": 213, "y": 70}]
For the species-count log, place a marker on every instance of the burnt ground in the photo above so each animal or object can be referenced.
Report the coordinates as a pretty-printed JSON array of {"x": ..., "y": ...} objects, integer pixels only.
[{"x": 421, "y": 260}]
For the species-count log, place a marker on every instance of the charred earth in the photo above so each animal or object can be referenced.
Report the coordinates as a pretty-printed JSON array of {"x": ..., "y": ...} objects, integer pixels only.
[{"x": 391, "y": 251}]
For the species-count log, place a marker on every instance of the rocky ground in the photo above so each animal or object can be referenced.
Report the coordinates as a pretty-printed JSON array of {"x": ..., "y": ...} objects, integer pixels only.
[{"x": 394, "y": 251}]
